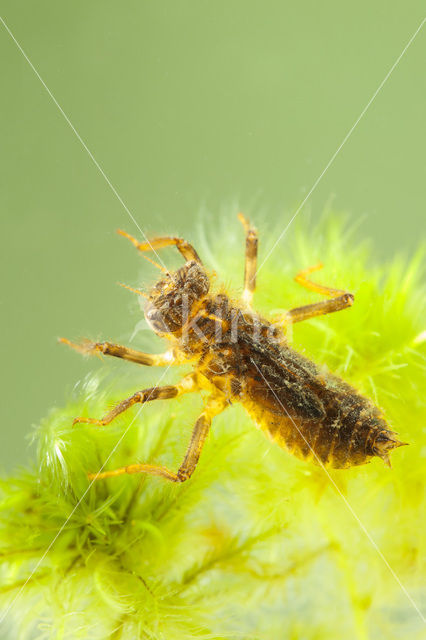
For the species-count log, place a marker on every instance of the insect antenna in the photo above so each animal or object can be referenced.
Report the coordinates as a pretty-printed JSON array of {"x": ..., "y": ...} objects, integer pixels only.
[
  {"x": 156, "y": 264},
  {"x": 140, "y": 293}
]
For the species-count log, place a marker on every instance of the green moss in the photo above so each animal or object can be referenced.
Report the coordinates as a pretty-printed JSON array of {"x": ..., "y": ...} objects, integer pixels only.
[{"x": 257, "y": 544}]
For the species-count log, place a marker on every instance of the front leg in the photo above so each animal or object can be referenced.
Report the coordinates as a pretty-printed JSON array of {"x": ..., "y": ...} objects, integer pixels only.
[
  {"x": 118, "y": 351},
  {"x": 215, "y": 404},
  {"x": 186, "y": 249},
  {"x": 186, "y": 385}
]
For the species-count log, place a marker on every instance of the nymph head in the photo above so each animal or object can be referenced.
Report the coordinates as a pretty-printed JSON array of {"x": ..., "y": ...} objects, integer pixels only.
[{"x": 174, "y": 299}]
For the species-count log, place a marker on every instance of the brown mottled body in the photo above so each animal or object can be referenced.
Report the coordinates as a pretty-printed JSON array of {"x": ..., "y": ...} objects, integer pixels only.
[
  {"x": 313, "y": 414},
  {"x": 238, "y": 356}
]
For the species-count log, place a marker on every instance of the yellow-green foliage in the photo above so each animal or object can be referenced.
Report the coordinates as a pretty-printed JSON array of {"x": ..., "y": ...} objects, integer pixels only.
[{"x": 257, "y": 544}]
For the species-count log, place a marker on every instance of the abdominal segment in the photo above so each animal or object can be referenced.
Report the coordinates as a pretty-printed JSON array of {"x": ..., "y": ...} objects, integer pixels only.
[
  {"x": 339, "y": 439},
  {"x": 305, "y": 409}
]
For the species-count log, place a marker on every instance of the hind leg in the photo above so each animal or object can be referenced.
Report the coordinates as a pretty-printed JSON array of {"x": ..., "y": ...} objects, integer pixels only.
[
  {"x": 339, "y": 299},
  {"x": 301, "y": 279},
  {"x": 319, "y": 309}
]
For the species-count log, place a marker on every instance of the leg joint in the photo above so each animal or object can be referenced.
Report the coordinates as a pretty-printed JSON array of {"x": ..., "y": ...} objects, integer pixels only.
[{"x": 182, "y": 475}]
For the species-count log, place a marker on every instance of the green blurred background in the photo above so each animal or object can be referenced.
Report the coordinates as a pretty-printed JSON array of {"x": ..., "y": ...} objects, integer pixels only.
[{"x": 184, "y": 104}]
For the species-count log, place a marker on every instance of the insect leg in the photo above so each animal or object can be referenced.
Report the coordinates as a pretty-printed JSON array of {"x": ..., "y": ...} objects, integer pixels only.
[
  {"x": 313, "y": 286},
  {"x": 186, "y": 385},
  {"x": 109, "y": 349},
  {"x": 251, "y": 260},
  {"x": 214, "y": 405},
  {"x": 319, "y": 309},
  {"x": 186, "y": 249},
  {"x": 339, "y": 299}
]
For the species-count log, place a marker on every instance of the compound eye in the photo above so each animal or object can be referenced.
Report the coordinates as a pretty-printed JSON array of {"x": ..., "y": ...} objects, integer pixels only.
[
  {"x": 150, "y": 314},
  {"x": 155, "y": 319},
  {"x": 161, "y": 320}
]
